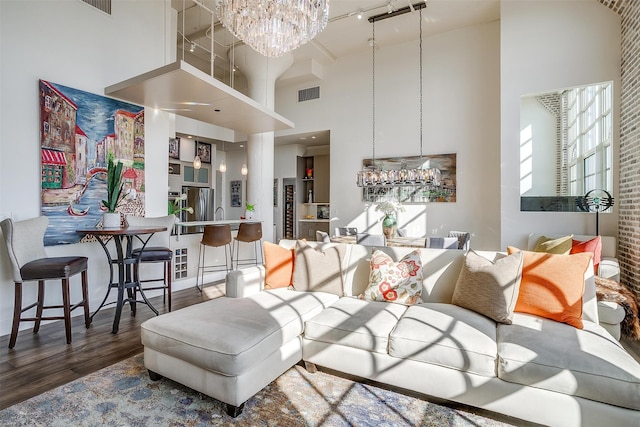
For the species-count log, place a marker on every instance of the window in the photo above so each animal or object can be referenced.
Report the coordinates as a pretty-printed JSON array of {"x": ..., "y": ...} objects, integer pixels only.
[{"x": 589, "y": 136}]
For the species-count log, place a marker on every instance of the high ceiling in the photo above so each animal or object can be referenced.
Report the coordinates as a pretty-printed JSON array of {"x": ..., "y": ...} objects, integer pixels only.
[{"x": 345, "y": 34}]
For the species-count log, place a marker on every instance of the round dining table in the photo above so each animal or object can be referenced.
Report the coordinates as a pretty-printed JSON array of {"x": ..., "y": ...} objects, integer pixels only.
[{"x": 123, "y": 239}]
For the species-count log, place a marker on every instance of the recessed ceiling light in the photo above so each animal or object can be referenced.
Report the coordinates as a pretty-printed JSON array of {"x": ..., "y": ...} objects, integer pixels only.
[
  {"x": 313, "y": 137},
  {"x": 302, "y": 138}
]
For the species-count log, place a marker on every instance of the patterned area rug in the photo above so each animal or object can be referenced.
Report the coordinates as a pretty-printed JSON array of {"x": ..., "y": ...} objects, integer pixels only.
[{"x": 123, "y": 395}]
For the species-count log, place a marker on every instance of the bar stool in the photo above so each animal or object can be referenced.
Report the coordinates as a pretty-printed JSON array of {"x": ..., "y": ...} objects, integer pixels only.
[
  {"x": 157, "y": 251},
  {"x": 29, "y": 262},
  {"x": 214, "y": 236},
  {"x": 249, "y": 232}
]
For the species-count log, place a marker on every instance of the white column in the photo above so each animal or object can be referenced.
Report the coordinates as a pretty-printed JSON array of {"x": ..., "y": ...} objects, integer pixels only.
[{"x": 261, "y": 73}]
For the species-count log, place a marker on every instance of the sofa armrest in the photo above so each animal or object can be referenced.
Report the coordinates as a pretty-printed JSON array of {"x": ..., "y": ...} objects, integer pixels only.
[
  {"x": 609, "y": 268},
  {"x": 610, "y": 315},
  {"x": 245, "y": 282}
]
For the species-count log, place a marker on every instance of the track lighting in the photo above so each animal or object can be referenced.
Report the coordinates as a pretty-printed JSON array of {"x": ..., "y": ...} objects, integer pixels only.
[
  {"x": 192, "y": 48},
  {"x": 360, "y": 14},
  {"x": 389, "y": 8}
]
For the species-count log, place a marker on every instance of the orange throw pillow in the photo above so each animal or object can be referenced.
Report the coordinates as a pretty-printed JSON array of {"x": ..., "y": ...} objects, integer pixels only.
[
  {"x": 278, "y": 263},
  {"x": 594, "y": 246},
  {"x": 552, "y": 285}
]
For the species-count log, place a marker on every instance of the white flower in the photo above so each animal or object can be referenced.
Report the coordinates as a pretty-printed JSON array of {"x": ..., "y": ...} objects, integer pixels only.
[{"x": 389, "y": 208}]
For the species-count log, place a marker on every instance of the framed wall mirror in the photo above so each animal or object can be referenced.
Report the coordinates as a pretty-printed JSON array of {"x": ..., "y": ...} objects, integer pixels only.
[{"x": 566, "y": 138}]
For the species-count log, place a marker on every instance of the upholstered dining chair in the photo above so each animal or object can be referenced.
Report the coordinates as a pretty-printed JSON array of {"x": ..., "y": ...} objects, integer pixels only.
[
  {"x": 464, "y": 238},
  {"x": 371, "y": 239},
  {"x": 441, "y": 242},
  {"x": 346, "y": 231},
  {"x": 157, "y": 250},
  {"x": 322, "y": 236},
  {"x": 29, "y": 262}
]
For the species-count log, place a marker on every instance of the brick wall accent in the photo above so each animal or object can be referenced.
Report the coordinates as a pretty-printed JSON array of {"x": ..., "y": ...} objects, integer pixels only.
[{"x": 628, "y": 198}]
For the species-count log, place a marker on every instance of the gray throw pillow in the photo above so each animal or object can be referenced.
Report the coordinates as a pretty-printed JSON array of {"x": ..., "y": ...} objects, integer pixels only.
[
  {"x": 318, "y": 269},
  {"x": 489, "y": 288}
]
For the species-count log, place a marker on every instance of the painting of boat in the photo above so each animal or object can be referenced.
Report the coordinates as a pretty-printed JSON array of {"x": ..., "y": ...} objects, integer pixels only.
[{"x": 77, "y": 212}]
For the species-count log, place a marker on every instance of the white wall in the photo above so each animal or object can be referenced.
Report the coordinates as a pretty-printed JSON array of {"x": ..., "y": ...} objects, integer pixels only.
[
  {"x": 73, "y": 44},
  {"x": 461, "y": 115},
  {"x": 549, "y": 45}
]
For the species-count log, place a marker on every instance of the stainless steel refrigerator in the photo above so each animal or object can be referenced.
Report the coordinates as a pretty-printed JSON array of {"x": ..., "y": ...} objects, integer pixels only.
[{"x": 203, "y": 201}]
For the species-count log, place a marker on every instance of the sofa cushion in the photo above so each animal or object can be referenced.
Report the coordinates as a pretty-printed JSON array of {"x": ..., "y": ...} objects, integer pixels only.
[
  {"x": 489, "y": 288},
  {"x": 319, "y": 269},
  {"x": 593, "y": 245},
  {"x": 242, "y": 330},
  {"x": 399, "y": 282},
  {"x": 552, "y": 285},
  {"x": 278, "y": 265},
  {"x": 355, "y": 323},
  {"x": 557, "y": 245},
  {"x": 446, "y": 335},
  {"x": 582, "y": 362}
]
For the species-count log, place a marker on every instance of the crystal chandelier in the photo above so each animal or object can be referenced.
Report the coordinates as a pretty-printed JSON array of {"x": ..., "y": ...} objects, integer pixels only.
[
  {"x": 273, "y": 28},
  {"x": 373, "y": 175}
]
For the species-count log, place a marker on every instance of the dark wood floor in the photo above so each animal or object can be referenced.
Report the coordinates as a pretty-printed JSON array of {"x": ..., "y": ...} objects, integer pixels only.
[{"x": 43, "y": 361}]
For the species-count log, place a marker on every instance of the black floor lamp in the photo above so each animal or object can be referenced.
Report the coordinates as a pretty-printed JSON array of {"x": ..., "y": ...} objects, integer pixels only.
[{"x": 595, "y": 201}]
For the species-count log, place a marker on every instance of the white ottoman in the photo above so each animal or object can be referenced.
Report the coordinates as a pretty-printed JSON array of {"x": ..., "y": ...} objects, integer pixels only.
[{"x": 231, "y": 348}]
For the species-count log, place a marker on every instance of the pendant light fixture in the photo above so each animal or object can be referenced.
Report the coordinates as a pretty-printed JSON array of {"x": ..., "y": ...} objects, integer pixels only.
[
  {"x": 373, "y": 175},
  {"x": 197, "y": 163},
  {"x": 223, "y": 163},
  {"x": 244, "y": 170},
  {"x": 273, "y": 28}
]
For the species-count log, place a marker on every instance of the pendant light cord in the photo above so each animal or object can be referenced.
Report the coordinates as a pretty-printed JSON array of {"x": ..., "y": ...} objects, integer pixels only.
[
  {"x": 420, "y": 86},
  {"x": 373, "y": 80}
]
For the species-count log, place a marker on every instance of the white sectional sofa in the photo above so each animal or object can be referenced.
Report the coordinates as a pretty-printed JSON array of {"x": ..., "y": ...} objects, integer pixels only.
[{"x": 535, "y": 369}]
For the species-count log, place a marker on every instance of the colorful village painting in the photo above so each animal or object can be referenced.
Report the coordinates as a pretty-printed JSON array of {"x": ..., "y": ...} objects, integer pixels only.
[{"x": 77, "y": 131}]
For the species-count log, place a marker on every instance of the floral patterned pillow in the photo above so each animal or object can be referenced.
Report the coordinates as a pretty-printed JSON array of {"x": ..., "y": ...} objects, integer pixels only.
[{"x": 399, "y": 282}]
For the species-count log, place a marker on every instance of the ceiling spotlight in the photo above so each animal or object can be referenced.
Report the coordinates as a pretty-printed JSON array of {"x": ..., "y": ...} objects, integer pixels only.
[
  {"x": 192, "y": 48},
  {"x": 359, "y": 14},
  {"x": 389, "y": 8}
]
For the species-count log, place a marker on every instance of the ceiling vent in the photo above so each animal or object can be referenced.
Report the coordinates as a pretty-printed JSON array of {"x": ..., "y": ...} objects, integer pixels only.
[
  {"x": 103, "y": 5},
  {"x": 309, "y": 94}
]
